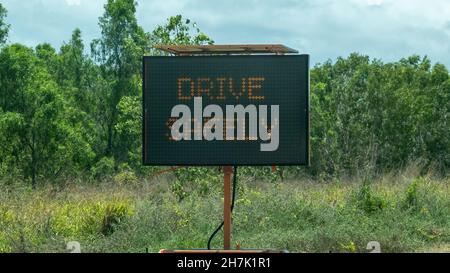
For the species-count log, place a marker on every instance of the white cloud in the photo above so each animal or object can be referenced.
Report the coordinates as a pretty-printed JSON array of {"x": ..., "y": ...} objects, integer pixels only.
[
  {"x": 375, "y": 2},
  {"x": 73, "y": 2},
  {"x": 368, "y": 2},
  {"x": 385, "y": 29}
]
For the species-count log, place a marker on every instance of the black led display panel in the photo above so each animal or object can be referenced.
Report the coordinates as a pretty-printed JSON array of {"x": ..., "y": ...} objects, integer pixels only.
[{"x": 226, "y": 110}]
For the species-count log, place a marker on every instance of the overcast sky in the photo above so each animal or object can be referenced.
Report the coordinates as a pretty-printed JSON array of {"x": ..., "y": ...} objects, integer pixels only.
[{"x": 384, "y": 29}]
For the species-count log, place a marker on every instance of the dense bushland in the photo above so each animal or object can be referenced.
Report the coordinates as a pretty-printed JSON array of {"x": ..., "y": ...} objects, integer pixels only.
[{"x": 65, "y": 113}]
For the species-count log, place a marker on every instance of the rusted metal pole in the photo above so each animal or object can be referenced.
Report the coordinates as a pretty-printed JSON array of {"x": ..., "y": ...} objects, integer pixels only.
[{"x": 227, "y": 170}]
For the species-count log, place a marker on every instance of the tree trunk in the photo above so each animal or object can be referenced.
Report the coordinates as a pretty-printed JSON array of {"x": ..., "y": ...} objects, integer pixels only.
[{"x": 109, "y": 150}]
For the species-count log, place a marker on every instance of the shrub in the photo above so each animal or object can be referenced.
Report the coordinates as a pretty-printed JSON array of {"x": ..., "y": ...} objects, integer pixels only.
[
  {"x": 114, "y": 214},
  {"x": 368, "y": 201},
  {"x": 19, "y": 232},
  {"x": 104, "y": 167},
  {"x": 411, "y": 195},
  {"x": 201, "y": 180},
  {"x": 79, "y": 221},
  {"x": 126, "y": 178}
]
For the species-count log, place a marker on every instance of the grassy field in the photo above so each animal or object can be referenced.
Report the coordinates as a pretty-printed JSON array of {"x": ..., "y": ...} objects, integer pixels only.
[{"x": 404, "y": 213}]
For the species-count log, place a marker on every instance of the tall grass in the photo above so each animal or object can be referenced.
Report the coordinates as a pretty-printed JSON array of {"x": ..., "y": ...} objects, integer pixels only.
[{"x": 405, "y": 212}]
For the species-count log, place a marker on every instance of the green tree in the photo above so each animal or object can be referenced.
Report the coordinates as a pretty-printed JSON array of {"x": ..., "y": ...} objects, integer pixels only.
[
  {"x": 129, "y": 131},
  {"x": 84, "y": 89},
  {"x": 4, "y": 27},
  {"x": 35, "y": 137},
  {"x": 48, "y": 58},
  {"x": 119, "y": 52},
  {"x": 73, "y": 62},
  {"x": 178, "y": 31},
  {"x": 370, "y": 115},
  {"x": 73, "y": 72},
  {"x": 128, "y": 128}
]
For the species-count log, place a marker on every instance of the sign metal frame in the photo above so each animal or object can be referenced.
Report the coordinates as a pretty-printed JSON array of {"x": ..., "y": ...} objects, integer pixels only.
[{"x": 146, "y": 117}]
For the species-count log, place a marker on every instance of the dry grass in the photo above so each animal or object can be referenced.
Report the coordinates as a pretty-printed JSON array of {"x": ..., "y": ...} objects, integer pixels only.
[{"x": 404, "y": 211}]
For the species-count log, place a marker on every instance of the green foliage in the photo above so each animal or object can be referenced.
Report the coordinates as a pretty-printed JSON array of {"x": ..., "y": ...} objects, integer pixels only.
[
  {"x": 411, "y": 199},
  {"x": 126, "y": 178},
  {"x": 129, "y": 130},
  {"x": 119, "y": 52},
  {"x": 64, "y": 112},
  {"x": 197, "y": 179},
  {"x": 34, "y": 130},
  {"x": 367, "y": 115},
  {"x": 80, "y": 221},
  {"x": 103, "y": 168},
  {"x": 179, "y": 31},
  {"x": 368, "y": 201},
  {"x": 179, "y": 190},
  {"x": 114, "y": 215},
  {"x": 4, "y": 27},
  {"x": 264, "y": 173},
  {"x": 298, "y": 216},
  {"x": 30, "y": 222}
]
